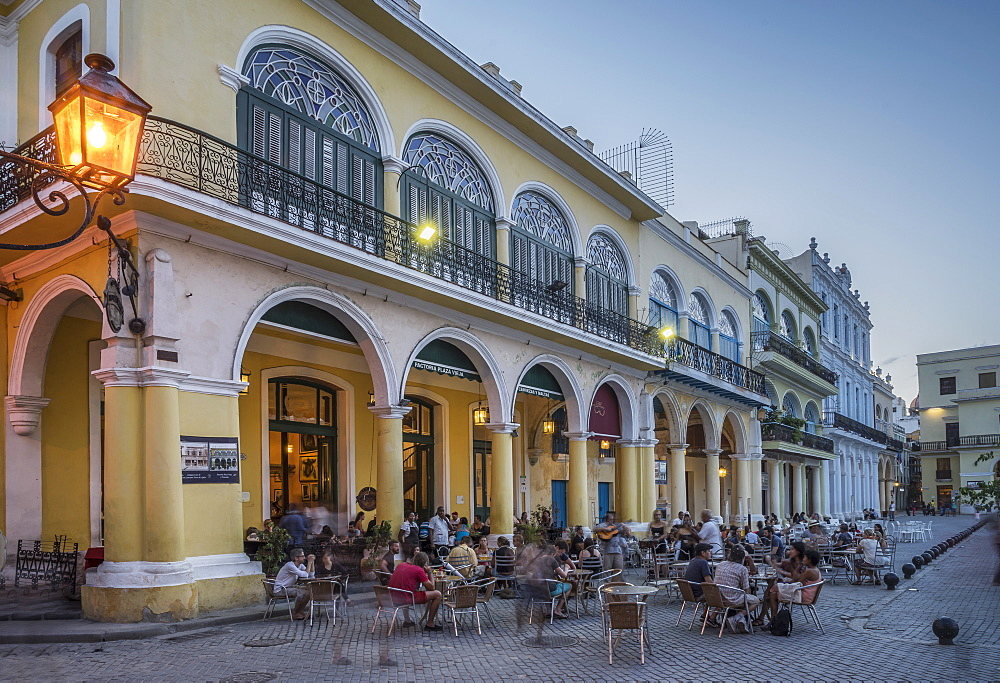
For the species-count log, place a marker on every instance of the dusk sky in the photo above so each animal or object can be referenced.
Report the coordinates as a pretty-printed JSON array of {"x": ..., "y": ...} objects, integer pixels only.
[{"x": 869, "y": 125}]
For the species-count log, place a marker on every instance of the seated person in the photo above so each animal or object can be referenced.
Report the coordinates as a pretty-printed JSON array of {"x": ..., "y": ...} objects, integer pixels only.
[
  {"x": 731, "y": 574},
  {"x": 752, "y": 537},
  {"x": 463, "y": 529},
  {"x": 802, "y": 566},
  {"x": 412, "y": 576},
  {"x": 352, "y": 531},
  {"x": 542, "y": 566},
  {"x": 576, "y": 542},
  {"x": 328, "y": 566},
  {"x": 868, "y": 549},
  {"x": 325, "y": 534},
  {"x": 504, "y": 551},
  {"x": 590, "y": 557},
  {"x": 698, "y": 570},
  {"x": 463, "y": 560},
  {"x": 479, "y": 530},
  {"x": 297, "y": 567},
  {"x": 388, "y": 562},
  {"x": 843, "y": 538},
  {"x": 483, "y": 550}
]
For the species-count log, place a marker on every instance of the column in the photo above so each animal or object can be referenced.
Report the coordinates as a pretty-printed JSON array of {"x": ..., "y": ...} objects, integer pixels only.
[
  {"x": 502, "y": 492},
  {"x": 627, "y": 490},
  {"x": 756, "y": 506},
  {"x": 389, "y": 463},
  {"x": 647, "y": 476},
  {"x": 123, "y": 478},
  {"x": 633, "y": 302},
  {"x": 677, "y": 480},
  {"x": 814, "y": 493},
  {"x": 741, "y": 464},
  {"x": 392, "y": 170},
  {"x": 503, "y": 240},
  {"x": 578, "y": 488},
  {"x": 163, "y": 540},
  {"x": 580, "y": 276},
  {"x": 798, "y": 481},
  {"x": 778, "y": 488},
  {"x": 824, "y": 489},
  {"x": 713, "y": 484}
]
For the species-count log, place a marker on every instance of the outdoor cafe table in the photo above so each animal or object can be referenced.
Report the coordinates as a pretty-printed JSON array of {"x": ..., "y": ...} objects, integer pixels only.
[
  {"x": 446, "y": 583},
  {"x": 630, "y": 591},
  {"x": 581, "y": 575}
]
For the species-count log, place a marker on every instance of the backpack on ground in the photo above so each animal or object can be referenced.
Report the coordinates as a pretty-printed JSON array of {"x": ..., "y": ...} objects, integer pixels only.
[{"x": 782, "y": 624}]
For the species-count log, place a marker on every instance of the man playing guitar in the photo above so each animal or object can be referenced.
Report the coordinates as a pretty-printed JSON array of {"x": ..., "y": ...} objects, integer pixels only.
[{"x": 613, "y": 542}]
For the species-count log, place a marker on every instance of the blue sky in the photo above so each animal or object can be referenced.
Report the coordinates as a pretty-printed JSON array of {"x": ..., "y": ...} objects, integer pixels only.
[{"x": 869, "y": 125}]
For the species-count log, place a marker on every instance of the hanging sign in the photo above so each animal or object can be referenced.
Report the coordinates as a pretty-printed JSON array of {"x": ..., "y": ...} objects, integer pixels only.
[
  {"x": 210, "y": 460},
  {"x": 661, "y": 472}
]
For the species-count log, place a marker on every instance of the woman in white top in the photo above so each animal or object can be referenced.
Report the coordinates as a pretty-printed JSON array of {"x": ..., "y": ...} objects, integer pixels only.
[{"x": 868, "y": 549}]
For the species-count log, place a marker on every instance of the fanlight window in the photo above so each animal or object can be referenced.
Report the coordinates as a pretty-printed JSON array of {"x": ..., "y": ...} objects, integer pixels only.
[
  {"x": 607, "y": 274},
  {"x": 787, "y": 326},
  {"x": 541, "y": 246},
  {"x": 811, "y": 419},
  {"x": 729, "y": 345},
  {"x": 788, "y": 406},
  {"x": 311, "y": 88},
  {"x": 445, "y": 164},
  {"x": 760, "y": 310},
  {"x": 662, "y": 302},
  {"x": 698, "y": 322},
  {"x": 809, "y": 339}
]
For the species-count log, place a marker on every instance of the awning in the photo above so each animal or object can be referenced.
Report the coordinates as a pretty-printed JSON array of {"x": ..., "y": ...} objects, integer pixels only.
[
  {"x": 299, "y": 315},
  {"x": 605, "y": 416},
  {"x": 446, "y": 359},
  {"x": 538, "y": 381}
]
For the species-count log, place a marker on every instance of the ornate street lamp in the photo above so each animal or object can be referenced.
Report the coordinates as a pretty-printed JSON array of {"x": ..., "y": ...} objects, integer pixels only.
[{"x": 98, "y": 127}]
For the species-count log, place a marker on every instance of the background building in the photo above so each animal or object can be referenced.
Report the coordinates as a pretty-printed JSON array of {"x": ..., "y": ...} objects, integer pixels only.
[{"x": 959, "y": 421}]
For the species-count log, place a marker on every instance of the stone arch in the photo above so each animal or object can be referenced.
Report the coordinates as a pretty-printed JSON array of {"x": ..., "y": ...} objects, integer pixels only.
[
  {"x": 627, "y": 404},
  {"x": 793, "y": 400},
  {"x": 772, "y": 393},
  {"x": 370, "y": 339},
  {"x": 555, "y": 198},
  {"x": 37, "y": 328},
  {"x": 671, "y": 277},
  {"x": 572, "y": 393},
  {"x": 713, "y": 314},
  {"x": 470, "y": 147},
  {"x": 672, "y": 412},
  {"x": 737, "y": 325},
  {"x": 613, "y": 235},
  {"x": 741, "y": 441},
  {"x": 768, "y": 304},
  {"x": 293, "y": 37},
  {"x": 708, "y": 423},
  {"x": 482, "y": 358}
]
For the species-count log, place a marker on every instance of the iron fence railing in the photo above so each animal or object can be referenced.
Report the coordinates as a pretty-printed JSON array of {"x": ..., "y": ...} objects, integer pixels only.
[
  {"x": 838, "y": 421},
  {"x": 699, "y": 358},
  {"x": 774, "y": 431},
  {"x": 769, "y": 341}
]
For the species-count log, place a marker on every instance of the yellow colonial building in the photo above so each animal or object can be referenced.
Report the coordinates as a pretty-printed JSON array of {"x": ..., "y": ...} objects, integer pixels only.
[
  {"x": 365, "y": 262},
  {"x": 959, "y": 408}
]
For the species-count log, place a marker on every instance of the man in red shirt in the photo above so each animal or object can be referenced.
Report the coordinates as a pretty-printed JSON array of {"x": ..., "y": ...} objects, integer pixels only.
[{"x": 412, "y": 576}]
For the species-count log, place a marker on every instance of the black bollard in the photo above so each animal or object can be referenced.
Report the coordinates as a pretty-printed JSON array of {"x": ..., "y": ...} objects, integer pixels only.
[
  {"x": 917, "y": 561},
  {"x": 927, "y": 556},
  {"x": 945, "y": 629},
  {"x": 908, "y": 570},
  {"x": 890, "y": 581}
]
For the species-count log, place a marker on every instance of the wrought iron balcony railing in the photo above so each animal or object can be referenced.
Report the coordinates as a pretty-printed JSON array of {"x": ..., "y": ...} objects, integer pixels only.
[
  {"x": 773, "y": 431},
  {"x": 769, "y": 341},
  {"x": 838, "y": 421},
  {"x": 699, "y": 358}
]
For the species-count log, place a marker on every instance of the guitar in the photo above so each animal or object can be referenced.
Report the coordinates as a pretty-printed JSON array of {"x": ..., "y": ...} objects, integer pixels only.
[{"x": 606, "y": 534}]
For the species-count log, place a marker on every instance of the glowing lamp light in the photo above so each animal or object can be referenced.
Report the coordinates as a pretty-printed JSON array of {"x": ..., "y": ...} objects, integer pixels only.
[
  {"x": 245, "y": 377},
  {"x": 605, "y": 445},
  {"x": 548, "y": 427},
  {"x": 723, "y": 472},
  {"x": 98, "y": 123},
  {"x": 371, "y": 398},
  {"x": 667, "y": 333},
  {"x": 288, "y": 448},
  {"x": 481, "y": 415},
  {"x": 426, "y": 233}
]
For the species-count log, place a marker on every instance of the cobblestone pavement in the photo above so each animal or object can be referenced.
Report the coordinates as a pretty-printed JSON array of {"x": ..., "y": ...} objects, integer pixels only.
[{"x": 871, "y": 634}]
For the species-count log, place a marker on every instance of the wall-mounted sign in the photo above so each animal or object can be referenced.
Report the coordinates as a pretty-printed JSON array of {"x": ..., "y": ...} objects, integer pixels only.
[
  {"x": 661, "y": 472},
  {"x": 210, "y": 460},
  {"x": 974, "y": 485},
  {"x": 765, "y": 481}
]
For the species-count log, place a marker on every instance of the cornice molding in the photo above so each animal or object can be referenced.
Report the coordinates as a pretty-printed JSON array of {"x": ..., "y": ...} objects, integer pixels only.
[
  {"x": 9, "y": 23},
  {"x": 668, "y": 236},
  {"x": 390, "y": 412},
  {"x": 232, "y": 78}
]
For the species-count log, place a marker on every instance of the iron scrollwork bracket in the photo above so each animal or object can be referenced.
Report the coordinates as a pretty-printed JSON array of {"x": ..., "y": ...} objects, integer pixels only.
[{"x": 40, "y": 176}]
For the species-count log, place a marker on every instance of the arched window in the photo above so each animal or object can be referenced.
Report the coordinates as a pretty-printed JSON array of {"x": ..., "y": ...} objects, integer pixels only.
[
  {"x": 761, "y": 321},
  {"x": 607, "y": 274},
  {"x": 298, "y": 113},
  {"x": 836, "y": 321},
  {"x": 809, "y": 339},
  {"x": 540, "y": 243},
  {"x": 787, "y": 326},
  {"x": 789, "y": 406},
  {"x": 812, "y": 419},
  {"x": 69, "y": 60},
  {"x": 447, "y": 188},
  {"x": 729, "y": 345},
  {"x": 662, "y": 302},
  {"x": 699, "y": 331}
]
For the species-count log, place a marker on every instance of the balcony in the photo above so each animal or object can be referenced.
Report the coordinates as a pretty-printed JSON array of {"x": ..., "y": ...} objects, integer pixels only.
[
  {"x": 942, "y": 475},
  {"x": 773, "y": 431},
  {"x": 930, "y": 446},
  {"x": 769, "y": 341},
  {"x": 838, "y": 421},
  {"x": 699, "y": 358},
  {"x": 979, "y": 440},
  {"x": 192, "y": 159}
]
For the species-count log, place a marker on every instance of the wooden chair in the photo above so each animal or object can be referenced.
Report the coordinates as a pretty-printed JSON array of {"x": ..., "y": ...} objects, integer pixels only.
[
  {"x": 688, "y": 598},
  {"x": 275, "y": 593},
  {"x": 464, "y": 600},
  {"x": 324, "y": 593},
  {"x": 626, "y": 616},
  {"x": 716, "y": 604},
  {"x": 486, "y": 588}
]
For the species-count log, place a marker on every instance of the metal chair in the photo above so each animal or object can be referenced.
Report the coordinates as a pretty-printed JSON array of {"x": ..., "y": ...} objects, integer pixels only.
[
  {"x": 486, "y": 588},
  {"x": 274, "y": 594},
  {"x": 383, "y": 577},
  {"x": 324, "y": 593},
  {"x": 592, "y": 586},
  {"x": 464, "y": 600},
  {"x": 392, "y": 600},
  {"x": 688, "y": 598},
  {"x": 505, "y": 570},
  {"x": 810, "y": 607},
  {"x": 715, "y": 603},
  {"x": 627, "y": 616},
  {"x": 549, "y": 599}
]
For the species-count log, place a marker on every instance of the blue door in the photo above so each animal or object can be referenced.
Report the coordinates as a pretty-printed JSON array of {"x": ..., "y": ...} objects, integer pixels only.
[
  {"x": 603, "y": 498},
  {"x": 559, "y": 503}
]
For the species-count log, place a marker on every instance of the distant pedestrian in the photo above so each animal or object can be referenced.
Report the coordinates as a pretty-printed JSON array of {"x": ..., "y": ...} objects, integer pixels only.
[{"x": 892, "y": 512}]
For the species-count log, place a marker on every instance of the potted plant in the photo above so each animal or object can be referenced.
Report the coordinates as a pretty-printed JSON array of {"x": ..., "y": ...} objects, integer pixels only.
[
  {"x": 272, "y": 552},
  {"x": 377, "y": 543}
]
